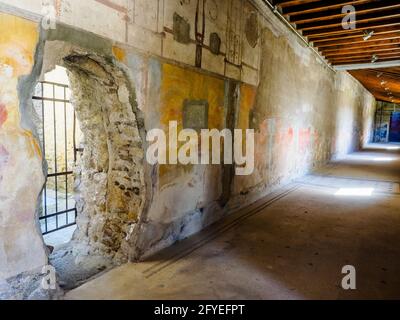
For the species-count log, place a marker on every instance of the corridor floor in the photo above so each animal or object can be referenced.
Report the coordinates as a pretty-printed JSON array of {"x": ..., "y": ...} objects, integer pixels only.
[{"x": 291, "y": 245}]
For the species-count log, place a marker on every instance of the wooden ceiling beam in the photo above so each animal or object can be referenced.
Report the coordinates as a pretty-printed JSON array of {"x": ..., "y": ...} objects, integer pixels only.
[
  {"x": 320, "y": 7},
  {"x": 393, "y": 73},
  {"x": 323, "y": 18},
  {"x": 362, "y": 45},
  {"x": 285, "y": 4},
  {"x": 320, "y": 21},
  {"x": 338, "y": 62},
  {"x": 340, "y": 31},
  {"x": 369, "y": 22},
  {"x": 304, "y": 6},
  {"x": 353, "y": 34},
  {"x": 372, "y": 51},
  {"x": 363, "y": 59},
  {"x": 356, "y": 39},
  {"x": 367, "y": 56}
]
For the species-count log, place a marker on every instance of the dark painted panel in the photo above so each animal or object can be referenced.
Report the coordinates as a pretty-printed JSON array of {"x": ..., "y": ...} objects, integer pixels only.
[{"x": 394, "y": 135}]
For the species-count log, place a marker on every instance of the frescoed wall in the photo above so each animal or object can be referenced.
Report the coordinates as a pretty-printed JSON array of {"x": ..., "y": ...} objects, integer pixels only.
[
  {"x": 181, "y": 192},
  {"x": 303, "y": 115},
  {"x": 179, "y": 85},
  {"x": 21, "y": 174}
]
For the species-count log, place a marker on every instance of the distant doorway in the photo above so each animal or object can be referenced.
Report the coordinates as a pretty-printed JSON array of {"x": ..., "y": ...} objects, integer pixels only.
[{"x": 394, "y": 134}]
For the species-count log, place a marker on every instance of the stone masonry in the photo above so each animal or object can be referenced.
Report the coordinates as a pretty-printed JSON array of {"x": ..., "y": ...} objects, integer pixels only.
[{"x": 110, "y": 180}]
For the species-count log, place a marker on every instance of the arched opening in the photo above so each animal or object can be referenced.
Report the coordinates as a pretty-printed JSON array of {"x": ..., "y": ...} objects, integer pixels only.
[
  {"x": 106, "y": 189},
  {"x": 60, "y": 136}
]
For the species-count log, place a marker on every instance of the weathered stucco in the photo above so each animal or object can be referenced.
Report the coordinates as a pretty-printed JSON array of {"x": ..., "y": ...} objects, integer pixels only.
[
  {"x": 304, "y": 114},
  {"x": 21, "y": 175}
]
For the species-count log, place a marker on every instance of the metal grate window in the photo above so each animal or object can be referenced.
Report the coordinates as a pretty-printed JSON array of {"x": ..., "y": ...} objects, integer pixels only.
[{"x": 58, "y": 131}]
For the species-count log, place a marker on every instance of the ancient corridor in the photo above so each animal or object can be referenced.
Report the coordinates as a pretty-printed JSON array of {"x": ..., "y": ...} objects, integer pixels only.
[{"x": 199, "y": 149}]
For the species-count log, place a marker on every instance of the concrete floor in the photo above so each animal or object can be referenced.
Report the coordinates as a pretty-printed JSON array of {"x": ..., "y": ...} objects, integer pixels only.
[{"x": 291, "y": 245}]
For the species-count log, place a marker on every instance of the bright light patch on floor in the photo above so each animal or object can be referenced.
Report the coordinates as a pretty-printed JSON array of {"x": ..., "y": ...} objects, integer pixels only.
[
  {"x": 358, "y": 192},
  {"x": 393, "y": 148},
  {"x": 383, "y": 159},
  {"x": 371, "y": 157}
]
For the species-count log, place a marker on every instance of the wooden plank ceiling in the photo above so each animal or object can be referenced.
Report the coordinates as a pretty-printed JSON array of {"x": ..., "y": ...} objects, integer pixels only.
[{"x": 320, "y": 22}]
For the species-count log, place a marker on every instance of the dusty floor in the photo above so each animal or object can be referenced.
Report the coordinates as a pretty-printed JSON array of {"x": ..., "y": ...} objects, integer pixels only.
[{"x": 291, "y": 245}]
